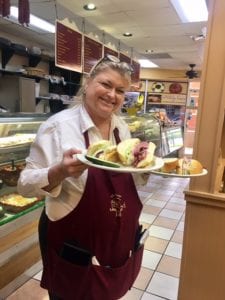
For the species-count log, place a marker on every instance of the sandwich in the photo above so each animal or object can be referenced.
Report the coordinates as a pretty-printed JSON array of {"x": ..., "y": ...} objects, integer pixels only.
[
  {"x": 97, "y": 148},
  {"x": 103, "y": 150},
  {"x": 170, "y": 164},
  {"x": 189, "y": 166},
  {"x": 136, "y": 153},
  {"x": 131, "y": 152}
]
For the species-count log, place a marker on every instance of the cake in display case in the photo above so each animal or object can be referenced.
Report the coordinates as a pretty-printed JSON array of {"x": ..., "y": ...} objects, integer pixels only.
[{"x": 17, "y": 132}]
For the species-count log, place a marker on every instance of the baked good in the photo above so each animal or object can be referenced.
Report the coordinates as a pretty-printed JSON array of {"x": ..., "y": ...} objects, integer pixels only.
[
  {"x": 170, "y": 164},
  {"x": 17, "y": 139},
  {"x": 10, "y": 175},
  {"x": 136, "y": 153},
  {"x": 14, "y": 202},
  {"x": 189, "y": 166}
]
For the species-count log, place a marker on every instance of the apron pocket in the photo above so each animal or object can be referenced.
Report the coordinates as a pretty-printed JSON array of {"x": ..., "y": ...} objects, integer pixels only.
[
  {"x": 113, "y": 283},
  {"x": 69, "y": 281}
]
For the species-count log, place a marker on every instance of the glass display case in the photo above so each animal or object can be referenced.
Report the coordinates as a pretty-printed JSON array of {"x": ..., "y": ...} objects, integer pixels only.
[
  {"x": 148, "y": 127},
  {"x": 17, "y": 132},
  {"x": 145, "y": 127}
]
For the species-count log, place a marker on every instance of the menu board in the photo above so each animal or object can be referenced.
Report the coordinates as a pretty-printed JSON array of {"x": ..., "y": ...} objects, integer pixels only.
[
  {"x": 68, "y": 48},
  {"x": 124, "y": 58},
  {"x": 110, "y": 52},
  {"x": 92, "y": 53},
  {"x": 135, "y": 76}
]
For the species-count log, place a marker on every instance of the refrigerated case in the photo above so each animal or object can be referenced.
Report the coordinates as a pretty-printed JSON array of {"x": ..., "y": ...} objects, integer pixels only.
[
  {"x": 167, "y": 138},
  {"x": 191, "y": 116},
  {"x": 19, "y": 216}
]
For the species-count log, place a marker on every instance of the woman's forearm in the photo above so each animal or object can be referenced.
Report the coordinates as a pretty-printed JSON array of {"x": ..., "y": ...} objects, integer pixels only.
[{"x": 55, "y": 177}]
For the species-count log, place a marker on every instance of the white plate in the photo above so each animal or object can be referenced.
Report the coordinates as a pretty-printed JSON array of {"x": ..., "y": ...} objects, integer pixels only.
[
  {"x": 204, "y": 172},
  {"x": 157, "y": 165}
]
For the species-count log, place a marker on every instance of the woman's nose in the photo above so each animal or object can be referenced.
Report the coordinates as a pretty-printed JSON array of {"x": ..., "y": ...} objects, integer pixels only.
[{"x": 112, "y": 92}]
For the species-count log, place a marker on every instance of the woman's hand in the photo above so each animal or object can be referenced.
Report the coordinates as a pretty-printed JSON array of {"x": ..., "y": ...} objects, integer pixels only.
[{"x": 70, "y": 166}]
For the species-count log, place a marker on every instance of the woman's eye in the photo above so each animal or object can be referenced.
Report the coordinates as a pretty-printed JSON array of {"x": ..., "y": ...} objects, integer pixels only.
[
  {"x": 121, "y": 92},
  {"x": 105, "y": 84}
]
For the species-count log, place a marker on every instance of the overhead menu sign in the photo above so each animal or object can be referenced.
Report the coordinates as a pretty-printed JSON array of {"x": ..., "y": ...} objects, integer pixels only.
[
  {"x": 68, "y": 48},
  {"x": 135, "y": 77},
  {"x": 110, "y": 51},
  {"x": 124, "y": 58},
  {"x": 92, "y": 53}
]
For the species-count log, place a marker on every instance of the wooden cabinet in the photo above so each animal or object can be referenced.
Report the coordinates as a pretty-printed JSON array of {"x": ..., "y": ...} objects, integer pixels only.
[{"x": 202, "y": 274}]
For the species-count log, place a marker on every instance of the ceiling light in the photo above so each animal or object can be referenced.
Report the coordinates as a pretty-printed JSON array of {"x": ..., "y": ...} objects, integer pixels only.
[
  {"x": 149, "y": 51},
  {"x": 191, "y": 10},
  {"x": 146, "y": 63},
  {"x": 34, "y": 21},
  {"x": 89, "y": 6},
  {"x": 127, "y": 34}
]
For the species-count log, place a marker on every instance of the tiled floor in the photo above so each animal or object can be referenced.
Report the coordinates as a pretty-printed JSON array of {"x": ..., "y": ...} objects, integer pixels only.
[{"x": 163, "y": 215}]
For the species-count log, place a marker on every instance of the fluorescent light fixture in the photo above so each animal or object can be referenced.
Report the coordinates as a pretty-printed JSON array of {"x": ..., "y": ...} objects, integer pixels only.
[
  {"x": 34, "y": 21},
  {"x": 191, "y": 10},
  {"x": 146, "y": 63}
]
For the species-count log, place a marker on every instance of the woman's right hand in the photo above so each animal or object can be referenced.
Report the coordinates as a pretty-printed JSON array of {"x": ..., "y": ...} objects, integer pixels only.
[{"x": 70, "y": 166}]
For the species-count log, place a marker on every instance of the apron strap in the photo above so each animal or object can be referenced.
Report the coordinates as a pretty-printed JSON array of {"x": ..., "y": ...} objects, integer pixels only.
[{"x": 115, "y": 132}]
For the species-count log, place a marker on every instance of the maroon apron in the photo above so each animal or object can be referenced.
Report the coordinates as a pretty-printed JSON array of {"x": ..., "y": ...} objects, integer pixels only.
[{"x": 104, "y": 222}]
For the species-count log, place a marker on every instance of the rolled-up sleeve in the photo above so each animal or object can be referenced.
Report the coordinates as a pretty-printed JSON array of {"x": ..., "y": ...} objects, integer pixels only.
[{"x": 44, "y": 153}]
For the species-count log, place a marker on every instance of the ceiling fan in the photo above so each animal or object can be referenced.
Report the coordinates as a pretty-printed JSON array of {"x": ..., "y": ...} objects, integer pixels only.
[{"x": 191, "y": 73}]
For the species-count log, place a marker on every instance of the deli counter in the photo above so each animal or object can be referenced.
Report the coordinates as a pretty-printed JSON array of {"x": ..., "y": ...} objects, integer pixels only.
[{"x": 18, "y": 215}]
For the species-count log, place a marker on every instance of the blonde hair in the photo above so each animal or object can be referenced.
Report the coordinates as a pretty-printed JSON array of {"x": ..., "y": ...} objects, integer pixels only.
[{"x": 104, "y": 64}]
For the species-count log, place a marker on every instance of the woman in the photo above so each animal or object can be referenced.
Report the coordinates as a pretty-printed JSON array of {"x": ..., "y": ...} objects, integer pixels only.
[{"x": 89, "y": 227}]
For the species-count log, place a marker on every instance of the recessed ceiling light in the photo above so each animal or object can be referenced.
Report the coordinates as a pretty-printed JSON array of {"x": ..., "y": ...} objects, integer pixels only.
[
  {"x": 89, "y": 6},
  {"x": 149, "y": 51},
  {"x": 127, "y": 34}
]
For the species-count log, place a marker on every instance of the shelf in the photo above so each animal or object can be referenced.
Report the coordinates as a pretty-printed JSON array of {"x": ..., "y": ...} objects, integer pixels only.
[
  {"x": 191, "y": 107},
  {"x": 10, "y": 216},
  {"x": 167, "y": 103}
]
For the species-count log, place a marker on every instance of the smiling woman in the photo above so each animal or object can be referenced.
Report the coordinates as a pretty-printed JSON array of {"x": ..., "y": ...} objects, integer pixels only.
[{"x": 95, "y": 211}]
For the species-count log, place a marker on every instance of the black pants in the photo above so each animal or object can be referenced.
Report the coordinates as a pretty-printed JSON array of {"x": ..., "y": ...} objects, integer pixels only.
[{"x": 42, "y": 232}]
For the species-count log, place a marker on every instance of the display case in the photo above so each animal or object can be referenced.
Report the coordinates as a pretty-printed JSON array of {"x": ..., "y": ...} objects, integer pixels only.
[
  {"x": 17, "y": 132},
  {"x": 18, "y": 215},
  {"x": 168, "y": 138}
]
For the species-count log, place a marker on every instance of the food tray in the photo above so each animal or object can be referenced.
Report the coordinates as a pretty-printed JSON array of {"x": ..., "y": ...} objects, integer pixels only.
[{"x": 28, "y": 202}]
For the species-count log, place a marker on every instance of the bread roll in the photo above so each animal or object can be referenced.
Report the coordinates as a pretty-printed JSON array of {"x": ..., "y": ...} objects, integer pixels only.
[
  {"x": 110, "y": 154},
  {"x": 170, "y": 164},
  {"x": 189, "y": 166},
  {"x": 98, "y": 147}
]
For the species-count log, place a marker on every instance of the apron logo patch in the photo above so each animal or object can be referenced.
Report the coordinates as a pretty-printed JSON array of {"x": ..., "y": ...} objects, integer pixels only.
[{"x": 117, "y": 204}]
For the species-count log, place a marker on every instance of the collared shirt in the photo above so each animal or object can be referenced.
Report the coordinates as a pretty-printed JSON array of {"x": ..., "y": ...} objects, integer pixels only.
[{"x": 59, "y": 133}]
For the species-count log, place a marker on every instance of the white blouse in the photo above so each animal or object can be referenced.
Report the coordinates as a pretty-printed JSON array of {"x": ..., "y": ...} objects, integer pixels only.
[{"x": 59, "y": 133}]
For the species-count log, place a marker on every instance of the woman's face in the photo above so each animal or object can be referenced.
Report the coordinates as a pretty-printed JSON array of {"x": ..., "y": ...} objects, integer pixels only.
[{"x": 105, "y": 93}]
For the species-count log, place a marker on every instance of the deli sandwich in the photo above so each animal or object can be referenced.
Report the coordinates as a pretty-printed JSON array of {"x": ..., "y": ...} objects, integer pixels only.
[{"x": 131, "y": 152}]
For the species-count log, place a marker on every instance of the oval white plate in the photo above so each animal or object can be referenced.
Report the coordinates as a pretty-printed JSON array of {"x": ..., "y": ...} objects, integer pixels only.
[
  {"x": 157, "y": 165},
  {"x": 204, "y": 172}
]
